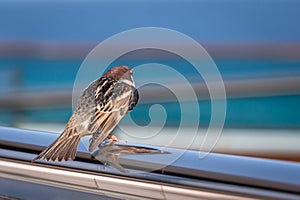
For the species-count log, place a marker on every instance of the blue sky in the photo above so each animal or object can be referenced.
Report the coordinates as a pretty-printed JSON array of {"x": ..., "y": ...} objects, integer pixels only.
[{"x": 204, "y": 20}]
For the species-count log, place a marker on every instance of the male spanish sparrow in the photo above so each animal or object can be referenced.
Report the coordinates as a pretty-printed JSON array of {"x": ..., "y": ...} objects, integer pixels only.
[{"x": 99, "y": 109}]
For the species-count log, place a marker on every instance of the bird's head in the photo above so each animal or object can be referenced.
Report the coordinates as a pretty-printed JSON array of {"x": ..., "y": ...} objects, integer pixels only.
[{"x": 121, "y": 73}]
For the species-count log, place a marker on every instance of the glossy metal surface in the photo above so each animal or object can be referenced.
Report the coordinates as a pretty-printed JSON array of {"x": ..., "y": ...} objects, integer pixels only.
[{"x": 215, "y": 176}]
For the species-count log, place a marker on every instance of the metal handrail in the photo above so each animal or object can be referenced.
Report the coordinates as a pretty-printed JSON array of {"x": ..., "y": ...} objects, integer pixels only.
[{"x": 227, "y": 175}]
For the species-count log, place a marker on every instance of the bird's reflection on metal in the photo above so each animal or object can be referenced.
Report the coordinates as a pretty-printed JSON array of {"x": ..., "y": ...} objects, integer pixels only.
[{"x": 109, "y": 153}]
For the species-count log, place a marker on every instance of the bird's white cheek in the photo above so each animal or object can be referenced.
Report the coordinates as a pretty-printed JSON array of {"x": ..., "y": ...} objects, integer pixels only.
[
  {"x": 125, "y": 94},
  {"x": 128, "y": 82}
]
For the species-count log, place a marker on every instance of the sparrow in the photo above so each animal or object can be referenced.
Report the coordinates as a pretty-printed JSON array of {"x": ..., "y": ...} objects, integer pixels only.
[{"x": 99, "y": 109}]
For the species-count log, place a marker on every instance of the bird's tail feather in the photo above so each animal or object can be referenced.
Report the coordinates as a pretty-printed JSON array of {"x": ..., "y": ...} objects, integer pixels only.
[{"x": 63, "y": 148}]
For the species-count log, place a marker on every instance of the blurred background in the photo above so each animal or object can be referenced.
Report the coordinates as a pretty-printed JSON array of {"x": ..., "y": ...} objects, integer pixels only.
[{"x": 255, "y": 44}]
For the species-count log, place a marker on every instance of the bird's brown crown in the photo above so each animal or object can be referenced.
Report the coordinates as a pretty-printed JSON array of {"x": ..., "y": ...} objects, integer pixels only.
[{"x": 119, "y": 72}]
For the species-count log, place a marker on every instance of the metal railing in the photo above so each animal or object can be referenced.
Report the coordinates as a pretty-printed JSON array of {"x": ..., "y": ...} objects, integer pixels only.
[{"x": 216, "y": 176}]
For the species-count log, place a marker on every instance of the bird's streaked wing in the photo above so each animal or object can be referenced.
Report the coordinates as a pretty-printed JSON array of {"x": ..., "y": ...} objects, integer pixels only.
[{"x": 112, "y": 99}]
